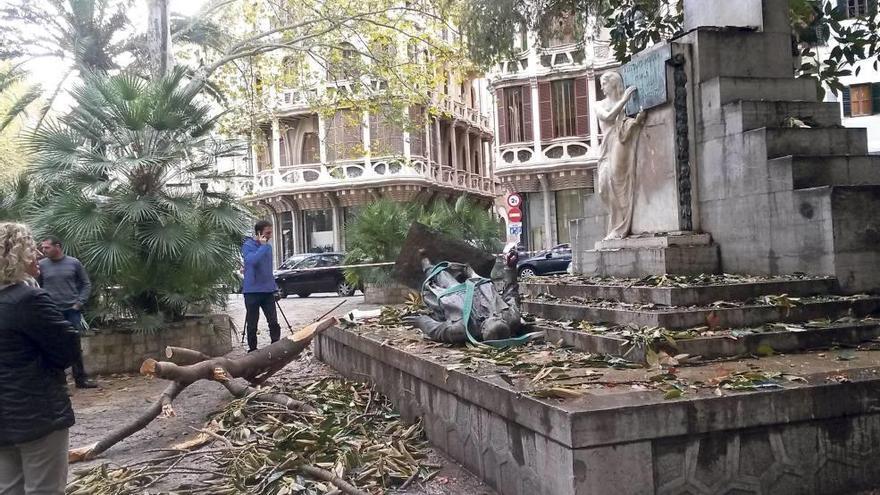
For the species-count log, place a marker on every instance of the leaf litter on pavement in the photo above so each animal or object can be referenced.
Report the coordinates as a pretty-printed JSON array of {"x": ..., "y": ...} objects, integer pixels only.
[{"x": 255, "y": 446}]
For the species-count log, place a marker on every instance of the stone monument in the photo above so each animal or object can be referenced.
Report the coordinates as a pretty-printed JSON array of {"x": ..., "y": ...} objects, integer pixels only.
[
  {"x": 643, "y": 223},
  {"x": 721, "y": 183}
]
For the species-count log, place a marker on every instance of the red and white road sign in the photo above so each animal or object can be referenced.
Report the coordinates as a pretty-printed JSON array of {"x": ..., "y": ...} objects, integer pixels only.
[
  {"x": 514, "y": 215},
  {"x": 514, "y": 200}
]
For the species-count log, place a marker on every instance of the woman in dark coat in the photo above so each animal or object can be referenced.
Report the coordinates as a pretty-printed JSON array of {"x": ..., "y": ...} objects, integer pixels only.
[{"x": 36, "y": 345}]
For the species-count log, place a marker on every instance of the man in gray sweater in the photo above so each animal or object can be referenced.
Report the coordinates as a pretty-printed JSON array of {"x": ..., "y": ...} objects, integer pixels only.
[{"x": 67, "y": 283}]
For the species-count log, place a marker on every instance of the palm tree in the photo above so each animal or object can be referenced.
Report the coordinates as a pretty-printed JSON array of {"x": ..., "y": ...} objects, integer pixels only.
[
  {"x": 378, "y": 232},
  {"x": 15, "y": 94},
  {"x": 466, "y": 220},
  {"x": 376, "y": 235},
  {"x": 118, "y": 172}
]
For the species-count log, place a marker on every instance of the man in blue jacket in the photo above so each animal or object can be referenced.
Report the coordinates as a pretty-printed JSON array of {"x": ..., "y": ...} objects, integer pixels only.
[{"x": 259, "y": 284}]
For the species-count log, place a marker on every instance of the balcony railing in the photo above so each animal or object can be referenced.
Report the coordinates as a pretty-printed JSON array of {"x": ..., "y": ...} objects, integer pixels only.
[
  {"x": 459, "y": 110},
  {"x": 560, "y": 150},
  {"x": 295, "y": 99},
  {"x": 561, "y": 56},
  {"x": 363, "y": 172}
]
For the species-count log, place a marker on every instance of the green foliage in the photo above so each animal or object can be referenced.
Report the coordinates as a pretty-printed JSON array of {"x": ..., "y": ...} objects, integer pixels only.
[
  {"x": 118, "y": 172},
  {"x": 858, "y": 41},
  {"x": 465, "y": 220},
  {"x": 16, "y": 199},
  {"x": 376, "y": 235},
  {"x": 378, "y": 232},
  {"x": 638, "y": 24},
  {"x": 15, "y": 98}
]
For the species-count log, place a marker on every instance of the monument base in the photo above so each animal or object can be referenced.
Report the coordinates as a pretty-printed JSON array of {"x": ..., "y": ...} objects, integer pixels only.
[
  {"x": 814, "y": 433},
  {"x": 681, "y": 253}
]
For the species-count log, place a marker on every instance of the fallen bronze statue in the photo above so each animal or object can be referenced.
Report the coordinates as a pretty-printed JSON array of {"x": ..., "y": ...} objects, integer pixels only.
[{"x": 466, "y": 308}]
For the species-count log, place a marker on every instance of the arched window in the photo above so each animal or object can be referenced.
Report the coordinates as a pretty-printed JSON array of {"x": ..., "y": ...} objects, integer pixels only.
[{"x": 343, "y": 62}]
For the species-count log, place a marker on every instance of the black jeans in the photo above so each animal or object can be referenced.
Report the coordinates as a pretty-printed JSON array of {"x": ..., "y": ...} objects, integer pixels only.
[
  {"x": 79, "y": 370},
  {"x": 253, "y": 301}
]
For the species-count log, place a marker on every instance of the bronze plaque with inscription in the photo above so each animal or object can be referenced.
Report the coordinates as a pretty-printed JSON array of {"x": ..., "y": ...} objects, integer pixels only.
[{"x": 647, "y": 72}]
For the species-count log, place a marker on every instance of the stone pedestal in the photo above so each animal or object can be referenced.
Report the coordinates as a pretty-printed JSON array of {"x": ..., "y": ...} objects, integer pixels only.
[{"x": 681, "y": 253}]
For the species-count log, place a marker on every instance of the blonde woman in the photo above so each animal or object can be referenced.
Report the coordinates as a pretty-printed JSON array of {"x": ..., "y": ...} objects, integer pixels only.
[{"x": 36, "y": 345}]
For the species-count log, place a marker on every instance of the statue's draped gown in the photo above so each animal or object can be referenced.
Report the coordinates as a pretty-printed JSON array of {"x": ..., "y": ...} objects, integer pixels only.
[{"x": 617, "y": 170}]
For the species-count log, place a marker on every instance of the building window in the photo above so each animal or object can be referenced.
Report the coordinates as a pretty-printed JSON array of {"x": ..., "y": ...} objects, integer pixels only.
[
  {"x": 287, "y": 235},
  {"x": 860, "y": 96},
  {"x": 523, "y": 38},
  {"x": 857, "y": 8},
  {"x": 860, "y": 100},
  {"x": 569, "y": 206},
  {"x": 311, "y": 152},
  {"x": 346, "y": 136},
  {"x": 513, "y": 102},
  {"x": 563, "y": 108},
  {"x": 343, "y": 63},
  {"x": 561, "y": 31},
  {"x": 535, "y": 233},
  {"x": 318, "y": 230}
]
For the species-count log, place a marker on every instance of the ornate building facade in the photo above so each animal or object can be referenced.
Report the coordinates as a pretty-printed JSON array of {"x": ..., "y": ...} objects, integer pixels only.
[
  {"x": 548, "y": 136},
  {"x": 314, "y": 172}
]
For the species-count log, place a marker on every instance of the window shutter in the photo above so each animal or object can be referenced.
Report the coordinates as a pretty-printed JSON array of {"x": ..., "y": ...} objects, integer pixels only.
[
  {"x": 581, "y": 107},
  {"x": 875, "y": 98},
  {"x": 545, "y": 105},
  {"x": 847, "y": 102},
  {"x": 528, "y": 133},
  {"x": 502, "y": 116}
]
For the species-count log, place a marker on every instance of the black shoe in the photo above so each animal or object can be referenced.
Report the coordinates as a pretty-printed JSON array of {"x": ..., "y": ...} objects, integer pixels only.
[{"x": 86, "y": 384}]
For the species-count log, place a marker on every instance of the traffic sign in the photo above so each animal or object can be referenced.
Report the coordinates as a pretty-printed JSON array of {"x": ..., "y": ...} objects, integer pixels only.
[
  {"x": 514, "y": 229},
  {"x": 514, "y": 215},
  {"x": 514, "y": 200}
]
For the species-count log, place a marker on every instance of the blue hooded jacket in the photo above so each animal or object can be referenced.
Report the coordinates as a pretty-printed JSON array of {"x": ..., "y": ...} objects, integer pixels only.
[{"x": 258, "y": 275}]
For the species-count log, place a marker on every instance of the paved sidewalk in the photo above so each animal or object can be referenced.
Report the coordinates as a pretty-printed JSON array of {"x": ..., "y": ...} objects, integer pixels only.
[{"x": 120, "y": 397}]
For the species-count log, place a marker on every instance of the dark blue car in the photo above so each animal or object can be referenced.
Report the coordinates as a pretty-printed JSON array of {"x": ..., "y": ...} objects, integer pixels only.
[{"x": 549, "y": 262}]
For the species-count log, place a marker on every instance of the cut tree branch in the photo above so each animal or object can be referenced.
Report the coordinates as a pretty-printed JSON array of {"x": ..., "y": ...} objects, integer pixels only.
[
  {"x": 249, "y": 366},
  {"x": 221, "y": 369}
]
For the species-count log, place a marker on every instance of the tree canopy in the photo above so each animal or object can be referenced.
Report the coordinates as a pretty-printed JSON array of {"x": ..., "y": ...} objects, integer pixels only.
[{"x": 116, "y": 176}]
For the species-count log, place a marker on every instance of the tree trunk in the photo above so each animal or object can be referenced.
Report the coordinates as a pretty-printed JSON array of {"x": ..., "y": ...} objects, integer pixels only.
[{"x": 159, "y": 38}]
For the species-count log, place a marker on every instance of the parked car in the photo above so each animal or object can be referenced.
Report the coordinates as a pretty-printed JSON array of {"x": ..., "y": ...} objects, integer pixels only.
[
  {"x": 549, "y": 262},
  {"x": 305, "y": 274}
]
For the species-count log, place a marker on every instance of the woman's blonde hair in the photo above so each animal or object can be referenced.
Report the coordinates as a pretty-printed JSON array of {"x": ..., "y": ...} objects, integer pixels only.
[{"x": 17, "y": 253}]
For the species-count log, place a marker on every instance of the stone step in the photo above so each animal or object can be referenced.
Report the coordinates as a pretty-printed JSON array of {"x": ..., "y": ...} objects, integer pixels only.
[
  {"x": 831, "y": 170},
  {"x": 746, "y": 115},
  {"x": 719, "y": 91},
  {"x": 722, "y": 345},
  {"x": 690, "y": 317},
  {"x": 632, "y": 292},
  {"x": 781, "y": 141}
]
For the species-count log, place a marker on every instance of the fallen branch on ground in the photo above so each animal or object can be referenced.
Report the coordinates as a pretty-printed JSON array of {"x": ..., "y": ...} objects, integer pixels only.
[{"x": 255, "y": 367}]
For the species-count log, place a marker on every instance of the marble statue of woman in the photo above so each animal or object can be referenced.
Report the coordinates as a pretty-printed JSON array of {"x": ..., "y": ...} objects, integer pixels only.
[{"x": 617, "y": 159}]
